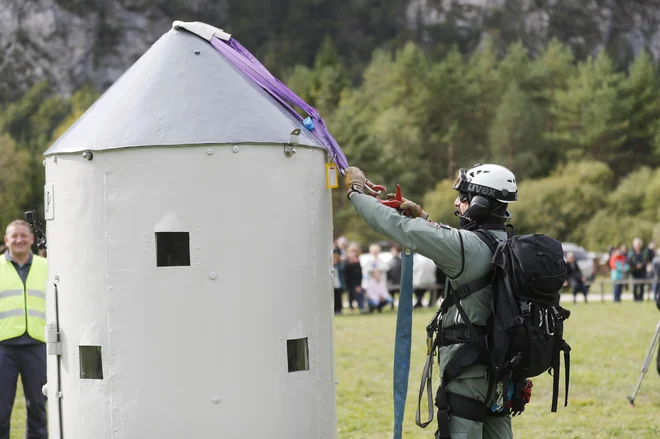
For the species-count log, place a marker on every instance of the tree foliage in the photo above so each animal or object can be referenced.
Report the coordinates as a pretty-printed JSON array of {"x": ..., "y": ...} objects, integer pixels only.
[
  {"x": 561, "y": 204},
  {"x": 577, "y": 134},
  {"x": 32, "y": 124},
  {"x": 590, "y": 113},
  {"x": 14, "y": 187}
]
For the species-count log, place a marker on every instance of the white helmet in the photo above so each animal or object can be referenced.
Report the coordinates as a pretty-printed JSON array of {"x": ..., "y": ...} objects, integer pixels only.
[{"x": 491, "y": 181}]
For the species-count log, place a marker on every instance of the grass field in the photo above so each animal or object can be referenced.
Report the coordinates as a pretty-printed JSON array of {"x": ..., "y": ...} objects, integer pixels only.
[{"x": 609, "y": 342}]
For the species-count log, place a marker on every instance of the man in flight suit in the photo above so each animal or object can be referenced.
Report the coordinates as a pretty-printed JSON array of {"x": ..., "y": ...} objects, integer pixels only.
[{"x": 484, "y": 193}]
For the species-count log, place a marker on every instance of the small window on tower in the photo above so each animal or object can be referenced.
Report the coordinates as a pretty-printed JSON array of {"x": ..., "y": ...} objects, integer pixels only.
[
  {"x": 297, "y": 354},
  {"x": 91, "y": 365},
  {"x": 172, "y": 249}
]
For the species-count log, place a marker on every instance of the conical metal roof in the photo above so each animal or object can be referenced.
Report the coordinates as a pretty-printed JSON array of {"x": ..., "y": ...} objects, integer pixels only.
[{"x": 181, "y": 92}]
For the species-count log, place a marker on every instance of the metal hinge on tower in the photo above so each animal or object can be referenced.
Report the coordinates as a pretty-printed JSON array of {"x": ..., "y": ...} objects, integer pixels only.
[{"x": 53, "y": 344}]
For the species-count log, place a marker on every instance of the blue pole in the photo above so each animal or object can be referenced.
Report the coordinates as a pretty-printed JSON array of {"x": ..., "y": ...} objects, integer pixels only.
[{"x": 403, "y": 341}]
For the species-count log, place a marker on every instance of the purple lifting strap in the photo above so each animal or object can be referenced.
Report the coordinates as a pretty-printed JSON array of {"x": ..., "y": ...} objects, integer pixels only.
[{"x": 248, "y": 64}]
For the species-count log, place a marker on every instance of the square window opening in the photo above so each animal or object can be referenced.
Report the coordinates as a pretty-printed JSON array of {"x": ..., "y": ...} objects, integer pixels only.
[
  {"x": 91, "y": 364},
  {"x": 297, "y": 353},
  {"x": 172, "y": 249}
]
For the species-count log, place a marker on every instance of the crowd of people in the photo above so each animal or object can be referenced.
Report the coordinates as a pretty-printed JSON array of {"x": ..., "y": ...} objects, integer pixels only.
[
  {"x": 369, "y": 282},
  {"x": 640, "y": 264}
]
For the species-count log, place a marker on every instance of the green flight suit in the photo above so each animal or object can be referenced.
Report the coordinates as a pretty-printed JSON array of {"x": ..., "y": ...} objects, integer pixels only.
[{"x": 462, "y": 263}]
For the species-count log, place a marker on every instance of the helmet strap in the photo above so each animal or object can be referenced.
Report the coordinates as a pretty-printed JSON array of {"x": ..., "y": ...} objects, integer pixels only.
[{"x": 483, "y": 213}]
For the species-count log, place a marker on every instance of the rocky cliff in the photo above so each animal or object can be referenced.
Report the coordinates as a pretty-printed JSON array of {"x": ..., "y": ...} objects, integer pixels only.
[{"x": 71, "y": 42}]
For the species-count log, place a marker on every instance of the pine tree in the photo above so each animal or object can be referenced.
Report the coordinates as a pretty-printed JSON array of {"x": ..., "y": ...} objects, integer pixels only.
[
  {"x": 14, "y": 165},
  {"x": 31, "y": 122},
  {"x": 445, "y": 111},
  {"x": 483, "y": 93},
  {"x": 590, "y": 113},
  {"x": 329, "y": 78},
  {"x": 515, "y": 134},
  {"x": 641, "y": 93}
]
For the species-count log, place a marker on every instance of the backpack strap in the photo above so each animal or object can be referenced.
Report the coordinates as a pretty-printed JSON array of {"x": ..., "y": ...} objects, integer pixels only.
[
  {"x": 476, "y": 285},
  {"x": 474, "y": 334},
  {"x": 488, "y": 239},
  {"x": 460, "y": 334},
  {"x": 555, "y": 377},
  {"x": 465, "y": 290},
  {"x": 567, "y": 364}
]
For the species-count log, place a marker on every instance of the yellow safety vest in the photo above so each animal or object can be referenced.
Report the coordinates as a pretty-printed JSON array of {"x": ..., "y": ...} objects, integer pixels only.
[{"x": 23, "y": 307}]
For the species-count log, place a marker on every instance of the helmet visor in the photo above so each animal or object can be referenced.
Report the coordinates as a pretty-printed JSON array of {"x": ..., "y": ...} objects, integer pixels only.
[{"x": 461, "y": 180}]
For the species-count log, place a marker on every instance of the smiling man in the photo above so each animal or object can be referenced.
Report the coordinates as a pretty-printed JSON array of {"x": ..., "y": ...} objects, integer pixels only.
[{"x": 23, "y": 278}]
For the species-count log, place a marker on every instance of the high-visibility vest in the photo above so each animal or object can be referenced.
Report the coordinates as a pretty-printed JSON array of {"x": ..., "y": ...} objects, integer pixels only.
[{"x": 23, "y": 306}]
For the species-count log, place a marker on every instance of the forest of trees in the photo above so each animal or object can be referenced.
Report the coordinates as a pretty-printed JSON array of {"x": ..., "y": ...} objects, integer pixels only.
[{"x": 582, "y": 135}]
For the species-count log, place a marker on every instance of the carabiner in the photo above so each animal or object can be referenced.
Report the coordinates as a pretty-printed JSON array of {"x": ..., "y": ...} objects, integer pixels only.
[{"x": 373, "y": 189}]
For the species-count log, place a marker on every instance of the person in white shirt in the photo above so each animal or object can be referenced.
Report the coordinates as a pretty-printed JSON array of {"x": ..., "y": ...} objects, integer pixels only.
[
  {"x": 376, "y": 280},
  {"x": 424, "y": 278}
]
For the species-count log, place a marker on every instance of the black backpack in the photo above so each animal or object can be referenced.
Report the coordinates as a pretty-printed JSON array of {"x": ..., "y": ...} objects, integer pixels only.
[{"x": 525, "y": 330}]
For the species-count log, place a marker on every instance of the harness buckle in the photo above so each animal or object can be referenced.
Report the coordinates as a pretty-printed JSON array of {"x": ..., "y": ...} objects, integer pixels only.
[
  {"x": 434, "y": 324},
  {"x": 430, "y": 329},
  {"x": 525, "y": 308}
]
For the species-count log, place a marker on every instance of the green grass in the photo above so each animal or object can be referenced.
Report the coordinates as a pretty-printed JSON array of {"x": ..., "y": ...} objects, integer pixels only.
[
  {"x": 609, "y": 341},
  {"x": 17, "y": 430}
]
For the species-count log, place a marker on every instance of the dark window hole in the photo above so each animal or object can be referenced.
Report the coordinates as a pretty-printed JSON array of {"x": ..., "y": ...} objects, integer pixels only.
[
  {"x": 91, "y": 366},
  {"x": 297, "y": 354},
  {"x": 172, "y": 249}
]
